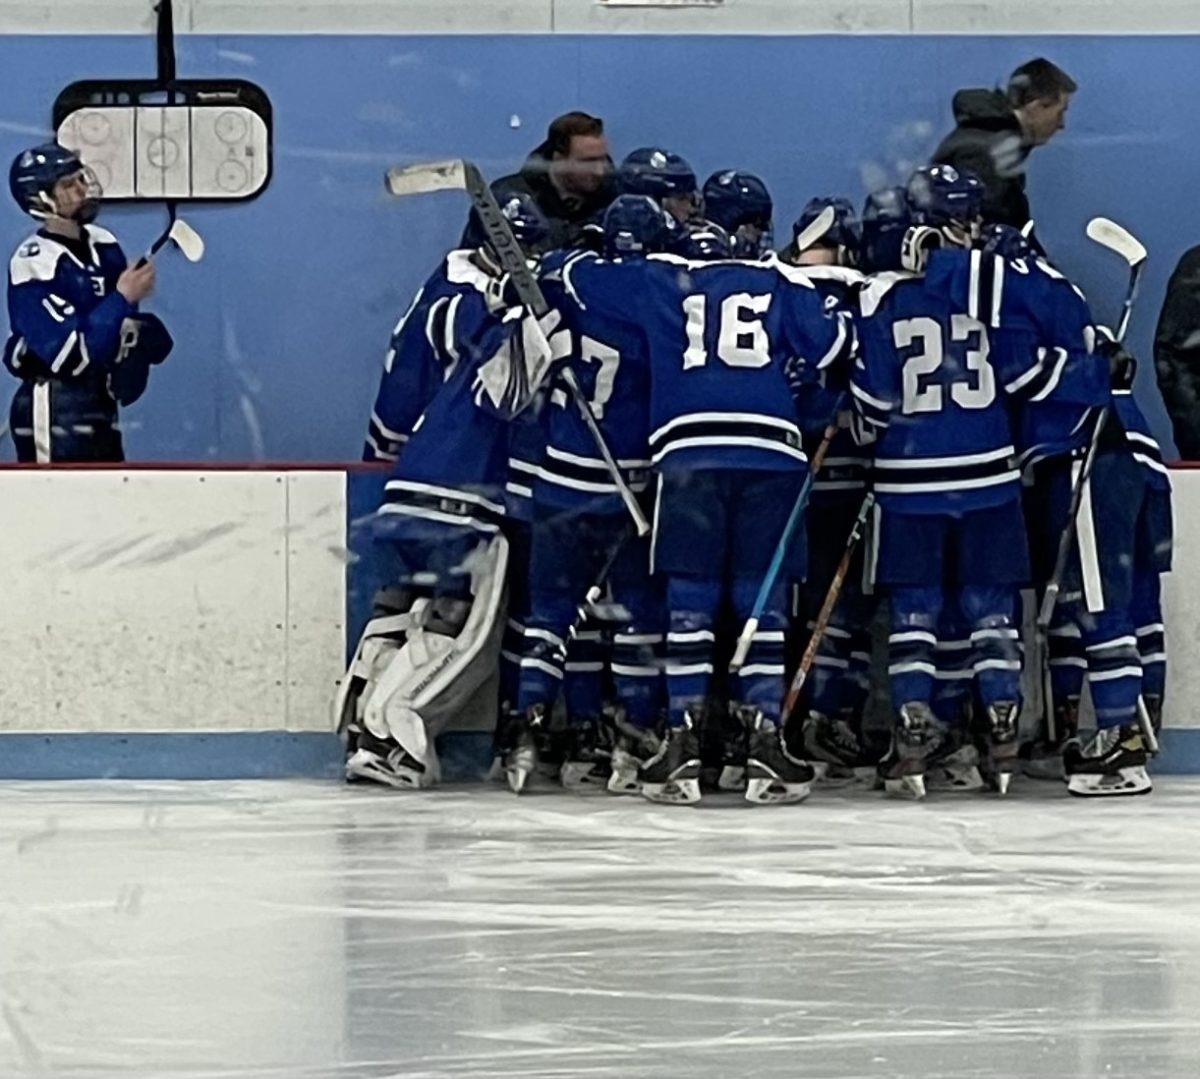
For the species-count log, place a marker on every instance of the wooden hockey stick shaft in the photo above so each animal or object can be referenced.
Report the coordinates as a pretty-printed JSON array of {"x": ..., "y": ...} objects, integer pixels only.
[{"x": 826, "y": 613}]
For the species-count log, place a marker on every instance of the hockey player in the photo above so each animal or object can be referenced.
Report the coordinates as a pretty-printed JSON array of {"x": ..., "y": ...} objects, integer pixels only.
[
  {"x": 436, "y": 634},
  {"x": 1109, "y": 617},
  {"x": 663, "y": 176},
  {"x": 886, "y": 219},
  {"x": 423, "y": 351},
  {"x": 582, "y": 533},
  {"x": 935, "y": 377},
  {"x": 79, "y": 345},
  {"x": 726, "y": 444},
  {"x": 741, "y": 204},
  {"x": 831, "y": 734}
]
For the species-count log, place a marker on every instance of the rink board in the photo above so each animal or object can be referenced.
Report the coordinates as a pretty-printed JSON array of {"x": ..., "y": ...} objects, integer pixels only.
[{"x": 192, "y": 623}]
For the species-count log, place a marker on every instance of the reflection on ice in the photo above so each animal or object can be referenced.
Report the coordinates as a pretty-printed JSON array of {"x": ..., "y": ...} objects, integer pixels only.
[{"x": 303, "y": 930}]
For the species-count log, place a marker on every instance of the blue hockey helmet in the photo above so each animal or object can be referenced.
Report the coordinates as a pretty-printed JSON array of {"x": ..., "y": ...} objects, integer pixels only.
[
  {"x": 741, "y": 204},
  {"x": 34, "y": 173},
  {"x": 524, "y": 216},
  {"x": 845, "y": 234},
  {"x": 942, "y": 195},
  {"x": 886, "y": 217},
  {"x": 657, "y": 173},
  {"x": 703, "y": 241},
  {"x": 1005, "y": 241},
  {"x": 636, "y": 225}
]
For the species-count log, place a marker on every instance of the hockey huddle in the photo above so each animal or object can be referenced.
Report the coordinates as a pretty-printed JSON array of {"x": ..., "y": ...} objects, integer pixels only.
[{"x": 683, "y": 444}]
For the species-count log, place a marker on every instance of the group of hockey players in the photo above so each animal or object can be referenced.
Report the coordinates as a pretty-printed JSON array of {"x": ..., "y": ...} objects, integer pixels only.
[{"x": 907, "y": 366}]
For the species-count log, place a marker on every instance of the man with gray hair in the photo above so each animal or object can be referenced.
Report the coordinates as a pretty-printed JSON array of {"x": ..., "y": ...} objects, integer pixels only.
[{"x": 998, "y": 129}]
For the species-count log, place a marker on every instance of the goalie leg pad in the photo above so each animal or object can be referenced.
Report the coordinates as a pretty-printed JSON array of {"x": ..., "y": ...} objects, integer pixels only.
[{"x": 429, "y": 680}]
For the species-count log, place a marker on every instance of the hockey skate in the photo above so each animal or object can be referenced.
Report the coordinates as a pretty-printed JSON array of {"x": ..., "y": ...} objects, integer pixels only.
[
  {"x": 1043, "y": 759},
  {"x": 1003, "y": 746},
  {"x": 588, "y": 758},
  {"x": 632, "y": 747},
  {"x": 1112, "y": 763},
  {"x": 954, "y": 766},
  {"x": 773, "y": 775},
  {"x": 388, "y": 764},
  {"x": 672, "y": 774},
  {"x": 833, "y": 750},
  {"x": 734, "y": 750},
  {"x": 916, "y": 735},
  {"x": 520, "y": 748}
]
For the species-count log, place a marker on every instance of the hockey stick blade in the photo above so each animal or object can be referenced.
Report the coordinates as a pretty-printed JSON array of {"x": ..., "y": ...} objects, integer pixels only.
[
  {"x": 823, "y": 223},
  {"x": 423, "y": 178},
  {"x": 183, "y": 236},
  {"x": 188, "y": 240},
  {"x": 1117, "y": 238}
]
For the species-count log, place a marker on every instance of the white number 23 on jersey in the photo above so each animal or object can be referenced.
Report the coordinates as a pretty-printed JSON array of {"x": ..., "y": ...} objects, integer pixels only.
[{"x": 974, "y": 383}]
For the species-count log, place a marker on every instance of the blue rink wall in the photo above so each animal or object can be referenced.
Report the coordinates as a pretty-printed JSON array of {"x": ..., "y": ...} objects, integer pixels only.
[
  {"x": 281, "y": 330},
  {"x": 189, "y": 624}
]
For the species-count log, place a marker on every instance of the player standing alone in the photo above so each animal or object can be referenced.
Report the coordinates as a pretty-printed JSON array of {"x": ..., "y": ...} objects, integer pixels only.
[{"x": 78, "y": 344}]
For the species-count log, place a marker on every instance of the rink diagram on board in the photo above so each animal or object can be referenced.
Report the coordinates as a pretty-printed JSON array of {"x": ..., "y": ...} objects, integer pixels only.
[{"x": 303, "y": 930}]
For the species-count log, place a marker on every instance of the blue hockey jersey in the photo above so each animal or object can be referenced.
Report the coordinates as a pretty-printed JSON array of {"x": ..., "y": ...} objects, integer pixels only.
[
  {"x": 425, "y": 347},
  {"x": 455, "y": 466},
  {"x": 1046, "y": 313},
  {"x": 719, "y": 335},
  {"x": 78, "y": 346},
  {"x": 847, "y": 466},
  {"x": 611, "y": 362},
  {"x": 937, "y": 380},
  {"x": 65, "y": 312}
]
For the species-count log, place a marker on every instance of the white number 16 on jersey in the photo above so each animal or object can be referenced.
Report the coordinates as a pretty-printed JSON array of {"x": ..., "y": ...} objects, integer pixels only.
[
  {"x": 975, "y": 387},
  {"x": 742, "y": 340}
]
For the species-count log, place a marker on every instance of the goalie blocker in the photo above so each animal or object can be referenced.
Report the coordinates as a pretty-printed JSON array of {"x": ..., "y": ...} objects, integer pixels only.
[{"x": 416, "y": 670}]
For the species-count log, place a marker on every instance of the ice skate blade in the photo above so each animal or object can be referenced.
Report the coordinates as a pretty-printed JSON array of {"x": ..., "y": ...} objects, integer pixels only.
[
  {"x": 765, "y": 791},
  {"x": 912, "y": 787},
  {"x": 732, "y": 778},
  {"x": 624, "y": 783},
  {"x": 1003, "y": 779},
  {"x": 964, "y": 781},
  {"x": 1127, "y": 782},
  {"x": 673, "y": 792},
  {"x": 1044, "y": 769},
  {"x": 581, "y": 778}
]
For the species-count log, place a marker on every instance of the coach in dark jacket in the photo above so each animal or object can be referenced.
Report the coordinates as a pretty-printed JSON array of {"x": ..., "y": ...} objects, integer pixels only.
[
  {"x": 997, "y": 130},
  {"x": 1177, "y": 354},
  {"x": 569, "y": 176}
]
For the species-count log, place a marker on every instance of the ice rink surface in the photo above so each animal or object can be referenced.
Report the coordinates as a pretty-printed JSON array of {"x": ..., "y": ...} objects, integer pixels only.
[{"x": 298, "y": 930}]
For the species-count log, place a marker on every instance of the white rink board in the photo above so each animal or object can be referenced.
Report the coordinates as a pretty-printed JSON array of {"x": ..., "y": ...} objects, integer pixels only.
[
  {"x": 174, "y": 601},
  {"x": 1182, "y": 605},
  {"x": 588, "y": 17}
]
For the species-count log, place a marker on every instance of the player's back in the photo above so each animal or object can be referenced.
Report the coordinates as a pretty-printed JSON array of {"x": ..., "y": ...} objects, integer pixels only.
[
  {"x": 720, "y": 336},
  {"x": 933, "y": 373},
  {"x": 424, "y": 348},
  {"x": 610, "y": 359}
]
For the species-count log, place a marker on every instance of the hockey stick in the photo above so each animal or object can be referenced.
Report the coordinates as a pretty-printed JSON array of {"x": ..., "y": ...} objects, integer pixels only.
[
  {"x": 181, "y": 234},
  {"x": 1110, "y": 235},
  {"x": 817, "y": 228},
  {"x": 593, "y": 594},
  {"x": 459, "y": 175},
  {"x": 781, "y": 549},
  {"x": 826, "y": 612}
]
